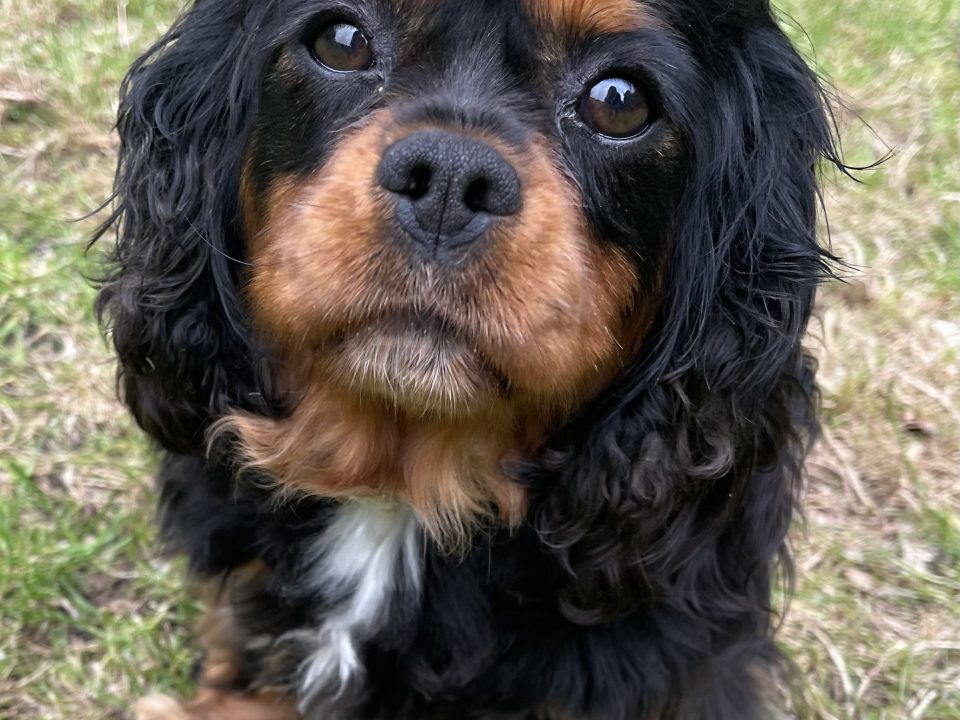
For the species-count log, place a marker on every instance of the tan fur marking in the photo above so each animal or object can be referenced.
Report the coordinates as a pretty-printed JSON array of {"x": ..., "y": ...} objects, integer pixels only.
[
  {"x": 578, "y": 293},
  {"x": 341, "y": 446},
  {"x": 589, "y": 16}
]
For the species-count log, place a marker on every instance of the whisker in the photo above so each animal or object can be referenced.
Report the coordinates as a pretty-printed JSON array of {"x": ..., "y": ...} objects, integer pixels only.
[{"x": 213, "y": 247}]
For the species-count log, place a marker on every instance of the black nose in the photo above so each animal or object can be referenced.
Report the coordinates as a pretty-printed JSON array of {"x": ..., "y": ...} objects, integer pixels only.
[{"x": 450, "y": 187}]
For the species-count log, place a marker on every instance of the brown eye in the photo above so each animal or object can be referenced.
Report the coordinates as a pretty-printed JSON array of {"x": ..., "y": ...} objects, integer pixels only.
[
  {"x": 343, "y": 47},
  {"x": 615, "y": 107}
]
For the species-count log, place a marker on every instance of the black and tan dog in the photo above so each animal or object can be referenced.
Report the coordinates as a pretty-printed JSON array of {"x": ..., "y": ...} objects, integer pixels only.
[{"x": 471, "y": 330}]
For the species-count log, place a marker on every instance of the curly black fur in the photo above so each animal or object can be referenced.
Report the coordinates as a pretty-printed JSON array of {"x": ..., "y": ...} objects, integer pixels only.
[{"x": 641, "y": 586}]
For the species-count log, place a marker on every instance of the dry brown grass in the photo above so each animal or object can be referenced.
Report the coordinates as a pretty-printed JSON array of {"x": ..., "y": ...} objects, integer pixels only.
[{"x": 876, "y": 623}]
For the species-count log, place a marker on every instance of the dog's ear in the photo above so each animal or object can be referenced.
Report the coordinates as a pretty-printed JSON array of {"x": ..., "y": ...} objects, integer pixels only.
[
  {"x": 678, "y": 485},
  {"x": 170, "y": 298}
]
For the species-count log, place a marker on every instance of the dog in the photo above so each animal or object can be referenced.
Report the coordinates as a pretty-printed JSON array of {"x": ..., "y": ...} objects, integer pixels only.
[{"x": 471, "y": 333}]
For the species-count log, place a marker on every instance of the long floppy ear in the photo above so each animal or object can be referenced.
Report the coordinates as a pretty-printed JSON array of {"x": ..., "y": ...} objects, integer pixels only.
[
  {"x": 678, "y": 486},
  {"x": 171, "y": 298}
]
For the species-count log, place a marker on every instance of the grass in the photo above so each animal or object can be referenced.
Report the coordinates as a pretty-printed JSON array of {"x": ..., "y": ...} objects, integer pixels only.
[{"x": 91, "y": 617}]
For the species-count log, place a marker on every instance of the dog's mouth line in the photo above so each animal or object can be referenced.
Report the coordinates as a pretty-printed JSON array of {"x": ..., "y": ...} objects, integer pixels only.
[
  {"x": 425, "y": 322},
  {"x": 433, "y": 329}
]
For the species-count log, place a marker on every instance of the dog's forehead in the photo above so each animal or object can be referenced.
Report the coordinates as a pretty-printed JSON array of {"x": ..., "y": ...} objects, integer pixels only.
[
  {"x": 587, "y": 15},
  {"x": 567, "y": 16}
]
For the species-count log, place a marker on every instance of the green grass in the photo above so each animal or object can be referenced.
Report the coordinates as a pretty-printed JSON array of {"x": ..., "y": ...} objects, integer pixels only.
[{"x": 91, "y": 617}]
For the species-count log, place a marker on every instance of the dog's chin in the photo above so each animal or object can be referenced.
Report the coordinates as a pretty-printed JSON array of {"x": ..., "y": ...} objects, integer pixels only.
[{"x": 419, "y": 365}]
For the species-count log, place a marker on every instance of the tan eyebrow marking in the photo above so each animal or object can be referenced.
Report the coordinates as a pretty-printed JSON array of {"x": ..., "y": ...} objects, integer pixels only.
[{"x": 589, "y": 16}]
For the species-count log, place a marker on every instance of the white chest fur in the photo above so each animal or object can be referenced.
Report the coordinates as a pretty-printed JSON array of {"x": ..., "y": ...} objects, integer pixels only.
[{"x": 366, "y": 559}]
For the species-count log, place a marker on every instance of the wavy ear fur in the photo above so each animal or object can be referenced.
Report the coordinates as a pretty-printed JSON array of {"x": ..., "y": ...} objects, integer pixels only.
[
  {"x": 678, "y": 487},
  {"x": 170, "y": 298}
]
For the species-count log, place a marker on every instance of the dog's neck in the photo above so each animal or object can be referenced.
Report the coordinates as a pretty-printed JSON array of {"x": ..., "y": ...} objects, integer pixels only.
[{"x": 448, "y": 469}]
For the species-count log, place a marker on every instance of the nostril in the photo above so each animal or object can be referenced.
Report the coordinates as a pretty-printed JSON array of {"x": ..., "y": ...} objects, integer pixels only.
[
  {"x": 476, "y": 196},
  {"x": 446, "y": 187},
  {"x": 495, "y": 190},
  {"x": 418, "y": 182}
]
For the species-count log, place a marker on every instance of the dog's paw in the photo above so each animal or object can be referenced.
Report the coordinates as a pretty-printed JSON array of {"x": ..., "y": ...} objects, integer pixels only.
[
  {"x": 159, "y": 707},
  {"x": 212, "y": 704}
]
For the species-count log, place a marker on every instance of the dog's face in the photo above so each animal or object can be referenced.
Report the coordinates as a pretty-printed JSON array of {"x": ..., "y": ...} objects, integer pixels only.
[{"x": 450, "y": 205}]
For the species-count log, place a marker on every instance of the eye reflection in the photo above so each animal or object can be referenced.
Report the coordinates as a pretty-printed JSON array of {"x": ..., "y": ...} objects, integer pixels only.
[
  {"x": 615, "y": 107},
  {"x": 343, "y": 47}
]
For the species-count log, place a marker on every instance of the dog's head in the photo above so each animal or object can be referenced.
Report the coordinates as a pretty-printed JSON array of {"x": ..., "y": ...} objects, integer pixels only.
[{"x": 397, "y": 245}]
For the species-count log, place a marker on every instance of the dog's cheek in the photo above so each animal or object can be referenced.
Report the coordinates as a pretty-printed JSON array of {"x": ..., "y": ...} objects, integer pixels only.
[
  {"x": 317, "y": 254},
  {"x": 559, "y": 318}
]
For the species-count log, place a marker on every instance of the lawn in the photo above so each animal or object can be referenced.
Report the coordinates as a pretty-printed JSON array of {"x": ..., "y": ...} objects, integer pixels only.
[{"x": 91, "y": 617}]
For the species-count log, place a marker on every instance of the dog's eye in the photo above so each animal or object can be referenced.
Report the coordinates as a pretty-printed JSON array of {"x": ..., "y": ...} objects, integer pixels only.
[
  {"x": 615, "y": 107},
  {"x": 343, "y": 47}
]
